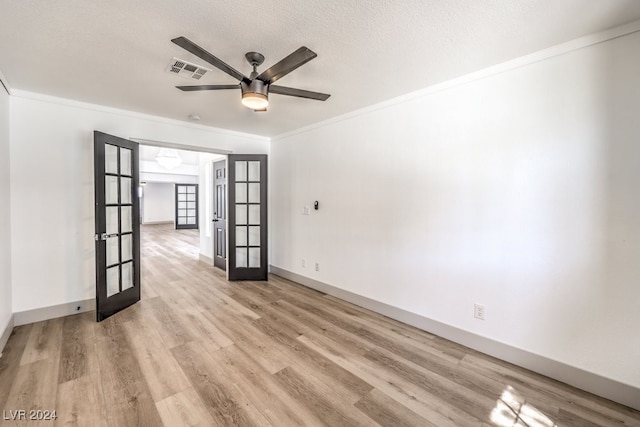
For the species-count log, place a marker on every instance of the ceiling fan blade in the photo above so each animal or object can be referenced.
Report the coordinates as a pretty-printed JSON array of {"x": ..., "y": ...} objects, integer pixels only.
[
  {"x": 281, "y": 90},
  {"x": 287, "y": 65},
  {"x": 207, "y": 87},
  {"x": 190, "y": 46}
]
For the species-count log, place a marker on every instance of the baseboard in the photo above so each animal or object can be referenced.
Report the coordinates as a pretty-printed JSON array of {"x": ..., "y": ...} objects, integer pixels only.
[
  {"x": 54, "y": 311},
  {"x": 156, "y": 222},
  {"x": 205, "y": 258},
  {"x": 4, "y": 337},
  {"x": 584, "y": 380}
]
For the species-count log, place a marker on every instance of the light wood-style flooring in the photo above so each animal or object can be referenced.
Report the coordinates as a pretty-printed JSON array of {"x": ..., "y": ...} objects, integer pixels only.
[{"x": 198, "y": 350}]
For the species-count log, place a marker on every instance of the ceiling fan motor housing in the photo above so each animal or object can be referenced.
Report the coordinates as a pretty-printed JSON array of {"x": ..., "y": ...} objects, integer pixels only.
[{"x": 256, "y": 86}]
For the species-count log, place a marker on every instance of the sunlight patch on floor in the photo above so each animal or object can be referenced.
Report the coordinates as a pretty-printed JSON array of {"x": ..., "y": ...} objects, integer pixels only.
[{"x": 512, "y": 410}]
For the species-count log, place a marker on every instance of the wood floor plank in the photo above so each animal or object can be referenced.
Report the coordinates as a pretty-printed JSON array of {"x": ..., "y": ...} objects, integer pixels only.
[
  {"x": 126, "y": 393},
  {"x": 319, "y": 401},
  {"x": 44, "y": 341},
  {"x": 387, "y": 412},
  {"x": 10, "y": 360},
  {"x": 80, "y": 402},
  {"x": 263, "y": 389},
  {"x": 77, "y": 357},
  {"x": 171, "y": 330},
  {"x": 184, "y": 409},
  {"x": 34, "y": 388},
  {"x": 223, "y": 400},
  {"x": 154, "y": 357}
]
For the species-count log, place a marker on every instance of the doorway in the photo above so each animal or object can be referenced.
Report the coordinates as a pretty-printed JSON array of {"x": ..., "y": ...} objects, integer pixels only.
[{"x": 182, "y": 196}]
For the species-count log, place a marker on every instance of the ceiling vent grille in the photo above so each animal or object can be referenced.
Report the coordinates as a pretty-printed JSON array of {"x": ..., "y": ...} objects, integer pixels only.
[{"x": 186, "y": 69}]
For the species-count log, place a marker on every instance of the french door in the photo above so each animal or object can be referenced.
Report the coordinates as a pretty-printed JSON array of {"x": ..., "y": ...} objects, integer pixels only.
[
  {"x": 117, "y": 224},
  {"x": 186, "y": 206},
  {"x": 247, "y": 226}
]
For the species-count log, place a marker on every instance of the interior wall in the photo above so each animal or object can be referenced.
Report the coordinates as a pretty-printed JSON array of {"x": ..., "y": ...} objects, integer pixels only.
[
  {"x": 52, "y": 191},
  {"x": 158, "y": 202},
  {"x": 517, "y": 191},
  {"x": 5, "y": 216}
]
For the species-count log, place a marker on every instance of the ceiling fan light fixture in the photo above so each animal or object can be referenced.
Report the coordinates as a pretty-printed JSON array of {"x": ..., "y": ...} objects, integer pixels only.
[
  {"x": 255, "y": 95},
  {"x": 255, "y": 101}
]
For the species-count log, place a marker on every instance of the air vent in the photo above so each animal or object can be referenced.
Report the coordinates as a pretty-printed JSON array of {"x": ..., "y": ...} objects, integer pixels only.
[{"x": 186, "y": 69}]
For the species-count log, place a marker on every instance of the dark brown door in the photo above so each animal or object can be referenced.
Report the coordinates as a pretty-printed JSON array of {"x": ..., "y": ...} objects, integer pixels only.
[
  {"x": 117, "y": 224},
  {"x": 247, "y": 225},
  {"x": 220, "y": 214},
  {"x": 186, "y": 206}
]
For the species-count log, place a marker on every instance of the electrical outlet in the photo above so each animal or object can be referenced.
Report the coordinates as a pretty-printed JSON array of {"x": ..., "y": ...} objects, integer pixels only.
[
  {"x": 478, "y": 311},
  {"x": 317, "y": 266},
  {"x": 304, "y": 263}
]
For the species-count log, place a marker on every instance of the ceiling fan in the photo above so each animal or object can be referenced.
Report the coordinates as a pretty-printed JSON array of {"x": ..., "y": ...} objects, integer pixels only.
[{"x": 255, "y": 88}]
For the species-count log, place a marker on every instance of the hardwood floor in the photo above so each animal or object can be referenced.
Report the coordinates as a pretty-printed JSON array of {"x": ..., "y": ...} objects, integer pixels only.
[{"x": 198, "y": 350}]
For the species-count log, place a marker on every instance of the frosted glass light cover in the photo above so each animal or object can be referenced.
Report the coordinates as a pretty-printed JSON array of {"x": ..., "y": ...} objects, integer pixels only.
[
  {"x": 241, "y": 171},
  {"x": 111, "y": 190},
  {"x": 125, "y": 161},
  {"x": 110, "y": 159},
  {"x": 113, "y": 280}
]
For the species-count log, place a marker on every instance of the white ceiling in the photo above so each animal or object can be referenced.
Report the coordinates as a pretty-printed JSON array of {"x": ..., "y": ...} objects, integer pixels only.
[{"x": 115, "y": 52}]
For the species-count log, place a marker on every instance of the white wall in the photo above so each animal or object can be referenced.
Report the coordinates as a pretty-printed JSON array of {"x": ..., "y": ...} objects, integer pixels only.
[
  {"x": 518, "y": 191},
  {"x": 52, "y": 188},
  {"x": 158, "y": 202},
  {"x": 5, "y": 217}
]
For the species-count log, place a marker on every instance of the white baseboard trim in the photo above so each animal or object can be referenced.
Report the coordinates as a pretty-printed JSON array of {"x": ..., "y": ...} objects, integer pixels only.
[
  {"x": 6, "y": 333},
  {"x": 584, "y": 380},
  {"x": 205, "y": 258},
  {"x": 54, "y": 311},
  {"x": 156, "y": 222}
]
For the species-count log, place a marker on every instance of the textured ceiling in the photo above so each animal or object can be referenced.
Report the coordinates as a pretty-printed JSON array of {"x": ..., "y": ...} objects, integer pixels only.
[{"x": 115, "y": 52}]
